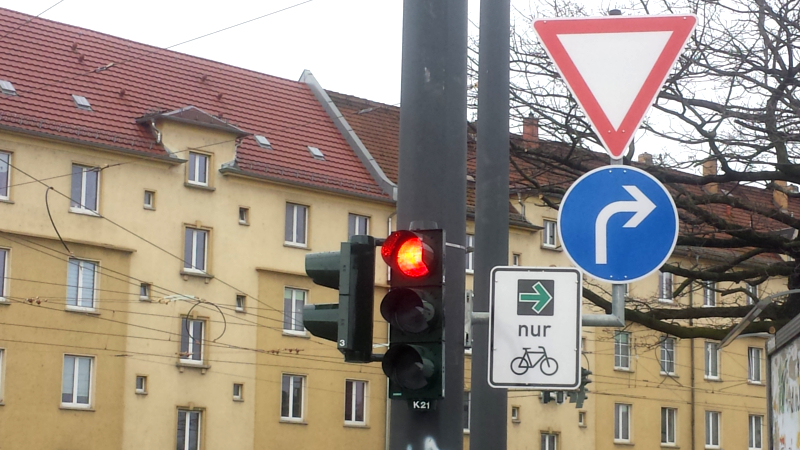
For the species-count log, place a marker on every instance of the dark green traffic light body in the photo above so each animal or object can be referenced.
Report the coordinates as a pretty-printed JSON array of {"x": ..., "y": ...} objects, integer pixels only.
[
  {"x": 414, "y": 308},
  {"x": 348, "y": 323}
]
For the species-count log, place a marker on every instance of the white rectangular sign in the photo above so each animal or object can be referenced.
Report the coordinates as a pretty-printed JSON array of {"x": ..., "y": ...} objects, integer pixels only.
[{"x": 535, "y": 328}]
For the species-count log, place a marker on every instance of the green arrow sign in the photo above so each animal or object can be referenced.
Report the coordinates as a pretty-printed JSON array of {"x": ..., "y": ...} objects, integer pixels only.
[{"x": 540, "y": 298}]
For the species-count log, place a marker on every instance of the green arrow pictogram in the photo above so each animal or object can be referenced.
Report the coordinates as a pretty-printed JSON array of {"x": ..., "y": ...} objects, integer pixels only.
[{"x": 540, "y": 298}]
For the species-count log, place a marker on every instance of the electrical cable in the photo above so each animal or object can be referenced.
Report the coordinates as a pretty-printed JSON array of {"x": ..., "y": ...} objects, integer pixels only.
[{"x": 29, "y": 20}]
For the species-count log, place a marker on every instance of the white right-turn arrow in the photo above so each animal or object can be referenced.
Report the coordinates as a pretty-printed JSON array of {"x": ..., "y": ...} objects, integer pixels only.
[{"x": 641, "y": 206}]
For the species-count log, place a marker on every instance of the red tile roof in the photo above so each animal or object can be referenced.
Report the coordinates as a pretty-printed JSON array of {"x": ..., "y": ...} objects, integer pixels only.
[{"x": 47, "y": 62}]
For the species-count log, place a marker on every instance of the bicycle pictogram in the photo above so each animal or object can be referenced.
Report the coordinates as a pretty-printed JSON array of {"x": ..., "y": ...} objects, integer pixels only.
[{"x": 547, "y": 364}]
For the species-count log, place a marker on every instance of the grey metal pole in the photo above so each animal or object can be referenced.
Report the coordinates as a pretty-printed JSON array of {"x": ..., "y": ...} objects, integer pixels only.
[
  {"x": 432, "y": 187},
  {"x": 489, "y": 427}
]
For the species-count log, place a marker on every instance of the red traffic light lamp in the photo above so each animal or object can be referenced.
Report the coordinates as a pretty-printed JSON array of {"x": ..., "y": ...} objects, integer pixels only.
[{"x": 407, "y": 252}]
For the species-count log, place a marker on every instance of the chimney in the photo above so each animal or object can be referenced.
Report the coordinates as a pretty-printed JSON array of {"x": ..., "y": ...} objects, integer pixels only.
[
  {"x": 530, "y": 131},
  {"x": 710, "y": 168},
  {"x": 646, "y": 158},
  {"x": 779, "y": 198}
]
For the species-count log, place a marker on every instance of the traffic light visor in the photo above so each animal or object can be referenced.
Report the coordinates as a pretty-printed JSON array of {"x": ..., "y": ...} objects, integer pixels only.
[
  {"x": 408, "y": 366},
  {"x": 406, "y": 252},
  {"x": 405, "y": 309}
]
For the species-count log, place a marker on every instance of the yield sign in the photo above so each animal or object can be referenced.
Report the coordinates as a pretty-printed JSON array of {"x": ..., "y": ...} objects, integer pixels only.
[{"x": 615, "y": 66}]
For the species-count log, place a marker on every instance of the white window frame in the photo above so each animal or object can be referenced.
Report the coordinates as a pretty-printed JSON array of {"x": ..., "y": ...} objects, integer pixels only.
[
  {"x": 74, "y": 404},
  {"x": 549, "y": 441},
  {"x": 244, "y": 215},
  {"x": 78, "y": 264},
  {"x": 192, "y": 265},
  {"x": 82, "y": 207},
  {"x": 145, "y": 290},
  {"x": 466, "y": 408},
  {"x": 712, "y": 360},
  {"x": 668, "y": 426},
  {"x": 622, "y": 411},
  {"x": 241, "y": 303},
  {"x": 549, "y": 233},
  {"x": 515, "y": 412},
  {"x": 187, "y": 420},
  {"x": 354, "y": 226},
  {"x": 712, "y": 424},
  {"x": 754, "y": 374},
  {"x": 516, "y": 259},
  {"x": 292, "y": 380},
  {"x": 622, "y": 351},
  {"x": 294, "y": 316},
  {"x": 197, "y": 158},
  {"x": 152, "y": 195},
  {"x": 141, "y": 390},
  {"x": 667, "y": 356},
  {"x": 238, "y": 396},
  {"x": 470, "y": 262},
  {"x": 294, "y": 236},
  {"x": 354, "y": 404},
  {"x": 753, "y": 290},
  {"x": 581, "y": 418},
  {"x": 709, "y": 294},
  {"x": 4, "y": 258},
  {"x": 755, "y": 421},
  {"x": 665, "y": 283},
  {"x": 7, "y": 163},
  {"x": 187, "y": 357}
]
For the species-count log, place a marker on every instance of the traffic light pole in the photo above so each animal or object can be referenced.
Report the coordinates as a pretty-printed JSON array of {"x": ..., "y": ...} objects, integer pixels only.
[
  {"x": 488, "y": 430},
  {"x": 432, "y": 188}
]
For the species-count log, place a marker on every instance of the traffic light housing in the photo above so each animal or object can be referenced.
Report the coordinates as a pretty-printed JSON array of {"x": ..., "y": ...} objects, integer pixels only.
[
  {"x": 579, "y": 396},
  {"x": 414, "y": 307},
  {"x": 348, "y": 323}
]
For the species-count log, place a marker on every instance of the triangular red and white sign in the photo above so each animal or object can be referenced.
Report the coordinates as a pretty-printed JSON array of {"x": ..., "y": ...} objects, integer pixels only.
[{"x": 615, "y": 66}]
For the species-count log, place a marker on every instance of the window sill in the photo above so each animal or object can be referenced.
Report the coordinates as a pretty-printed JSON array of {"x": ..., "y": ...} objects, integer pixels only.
[
  {"x": 298, "y": 334},
  {"x": 755, "y": 383},
  {"x": 356, "y": 425},
  {"x": 141, "y": 392},
  {"x": 202, "y": 187},
  {"x": 298, "y": 246},
  {"x": 196, "y": 273},
  {"x": 245, "y": 224},
  {"x": 519, "y": 421},
  {"x": 145, "y": 299},
  {"x": 553, "y": 248},
  {"x": 83, "y": 212},
  {"x": 239, "y": 310},
  {"x": 623, "y": 369},
  {"x": 714, "y": 379},
  {"x": 238, "y": 400},
  {"x": 666, "y": 300},
  {"x": 4, "y": 301},
  {"x": 5, "y": 200},
  {"x": 470, "y": 272},
  {"x": 293, "y": 421},
  {"x": 466, "y": 431},
  {"x": 669, "y": 374},
  {"x": 670, "y": 445},
  {"x": 616, "y": 442},
  {"x": 80, "y": 310},
  {"x": 181, "y": 365},
  {"x": 149, "y": 208},
  {"x": 75, "y": 408}
]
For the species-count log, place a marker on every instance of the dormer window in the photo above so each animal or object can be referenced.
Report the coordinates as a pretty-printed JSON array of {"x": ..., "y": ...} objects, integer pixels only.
[
  {"x": 263, "y": 142},
  {"x": 81, "y": 102},
  {"x": 316, "y": 153},
  {"x": 7, "y": 88}
]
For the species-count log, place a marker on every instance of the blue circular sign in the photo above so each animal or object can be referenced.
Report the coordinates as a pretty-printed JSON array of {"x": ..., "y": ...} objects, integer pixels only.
[{"x": 618, "y": 224}]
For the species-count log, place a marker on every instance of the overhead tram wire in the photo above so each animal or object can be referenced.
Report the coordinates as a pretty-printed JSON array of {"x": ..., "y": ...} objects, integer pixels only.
[{"x": 30, "y": 20}]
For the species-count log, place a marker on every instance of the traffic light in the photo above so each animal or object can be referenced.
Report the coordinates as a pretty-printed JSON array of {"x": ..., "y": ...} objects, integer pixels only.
[
  {"x": 579, "y": 396},
  {"x": 414, "y": 306},
  {"x": 348, "y": 323}
]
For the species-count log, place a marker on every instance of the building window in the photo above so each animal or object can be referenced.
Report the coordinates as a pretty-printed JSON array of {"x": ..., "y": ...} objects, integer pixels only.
[
  {"x": 357, "y": 225},
  {"x": 192, "y": 339},
  {"x": 712, "y": 429},
  {"x": 5, "y": 178},
  {"x": 3, "y": 273},
  {"x": 76, "y": 381},
  {"x": 195, "y": 250},
  {"x": 752, "y": 289},
  {"x": 581, "y": 419},
  {"x": 84, "y": 192},
  {"x": 712, "y": 360},
  {"x": 470, "y": 263},
  {"x": 668, "y": 425},
  {"x": 293, "y": 302},
  {"x": 668, "y": 356},
  {"x": 515, "y": 414},
  {"x": 141, "y": 384},
  {"x": 238, "y": 392},
  {"x": 467, "y": 410},
  {"x": 292, "y": 397},
  {"x": 709, "y": 293},
  {"x": 622, "y": 422},
  {"x": 144, "y": 291},
  {"x": 754, "y": 365},
  {"x": 622, "y": 350},
  {"x": 583, "y": 344},
  {"x": 149, "y": 200},
  {"x": 240, "y": 302},
  {"x": 754, "y": 436},
  {"x": 296, "y": 229},
  {"x": 244, "y": 216},
  {"x": 665, "y": 286},
  {"x": 198, "y": 169},
  {"x": 549, "y": 234},
  {"x": 549, "y": 441},
  {"x": 81, "y": 278},
  {"x": 355, "y": 397},
  {"x": 189, "y": 429},
  {"x": 516, "y": 259}
]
